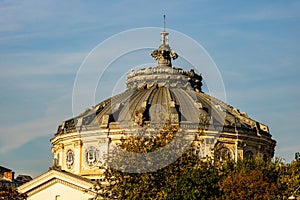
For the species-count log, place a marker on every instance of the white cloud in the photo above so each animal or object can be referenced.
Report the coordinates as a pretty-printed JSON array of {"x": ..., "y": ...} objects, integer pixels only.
[
  {"x": 56, "y": 111},
  {"x": 12, "y": 137},
  {"x": 38, "y": 64},
  {"x": 25, "y": 72}
]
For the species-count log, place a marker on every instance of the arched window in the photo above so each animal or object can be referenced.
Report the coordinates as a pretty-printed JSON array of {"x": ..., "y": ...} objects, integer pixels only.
[
  {"x": 223, "y": 154},
  {"x": 265, "y": 157},
  {"x": 248, "y": 154}
]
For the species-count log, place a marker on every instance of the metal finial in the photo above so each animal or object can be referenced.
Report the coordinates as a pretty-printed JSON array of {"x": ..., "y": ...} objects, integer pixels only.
[
  {"x": 164, "y": 34},
  {"x": 164, "y": 23},
  {"x": 164, "y": 54}
]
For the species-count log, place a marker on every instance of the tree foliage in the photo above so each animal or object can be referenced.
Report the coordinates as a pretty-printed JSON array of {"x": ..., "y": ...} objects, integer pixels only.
[
  {"x": 253, "y": 185},
  {"x": 192, "y": 178},
  {"x": 9, "y": 193}
]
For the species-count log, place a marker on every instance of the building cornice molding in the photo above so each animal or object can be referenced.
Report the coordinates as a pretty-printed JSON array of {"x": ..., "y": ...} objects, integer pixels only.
[
  {"x": 53, "y": 176},
  {"x": 57, "y": 180}
]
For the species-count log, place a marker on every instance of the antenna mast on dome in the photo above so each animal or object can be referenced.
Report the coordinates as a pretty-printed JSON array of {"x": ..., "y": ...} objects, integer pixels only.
[{"x": 164, "y": 34}]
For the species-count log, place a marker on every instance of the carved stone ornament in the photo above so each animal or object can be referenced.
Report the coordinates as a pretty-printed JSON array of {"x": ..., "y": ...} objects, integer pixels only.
[
  {"x": 91, "y": 156},
  {"x": 70, "y": 159},
  {"x": 138, "y": 118}
]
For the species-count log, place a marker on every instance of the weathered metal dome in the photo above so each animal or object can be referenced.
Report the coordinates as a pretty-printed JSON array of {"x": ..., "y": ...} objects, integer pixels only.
[{"x": 156, "y": 96}]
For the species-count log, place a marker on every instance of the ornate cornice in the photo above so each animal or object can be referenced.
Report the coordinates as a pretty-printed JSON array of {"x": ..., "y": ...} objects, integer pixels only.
[{"x": 164, "y": 76}]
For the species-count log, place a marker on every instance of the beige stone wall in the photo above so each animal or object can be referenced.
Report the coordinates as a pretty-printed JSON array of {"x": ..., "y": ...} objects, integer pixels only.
[
  {"x": 206, "y": 144},
  {"x": 60, "y": 192}
]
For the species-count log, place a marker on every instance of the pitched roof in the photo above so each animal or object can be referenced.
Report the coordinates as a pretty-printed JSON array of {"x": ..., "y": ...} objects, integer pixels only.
[
  {"x": 54, "y": 176},
  {"x": 4, "y": 169}
]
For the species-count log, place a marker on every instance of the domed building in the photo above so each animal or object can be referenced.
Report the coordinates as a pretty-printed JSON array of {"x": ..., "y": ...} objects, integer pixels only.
[{"x": 156, "y": 97}]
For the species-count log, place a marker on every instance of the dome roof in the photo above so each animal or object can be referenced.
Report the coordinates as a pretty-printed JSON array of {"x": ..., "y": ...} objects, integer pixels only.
[
  {"x": 152, "y": 104},
  {"x": 163, "y": 95},
  {"x": 155, "y": 98},
  {"x": 160, "y": 95}
]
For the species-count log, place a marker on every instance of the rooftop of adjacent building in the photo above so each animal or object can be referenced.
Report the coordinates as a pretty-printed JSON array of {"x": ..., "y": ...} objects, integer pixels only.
[{"x": 7, "y": 177}]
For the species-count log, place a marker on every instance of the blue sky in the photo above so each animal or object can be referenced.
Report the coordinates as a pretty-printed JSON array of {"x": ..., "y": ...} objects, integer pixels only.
[{"x": 255, "y": 45}]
